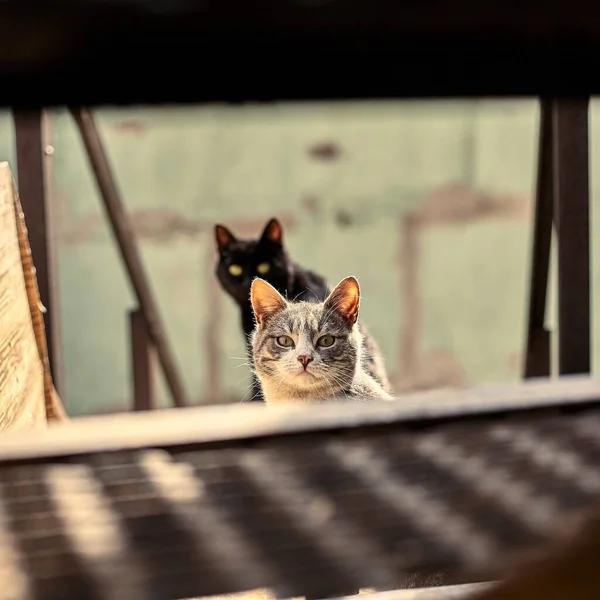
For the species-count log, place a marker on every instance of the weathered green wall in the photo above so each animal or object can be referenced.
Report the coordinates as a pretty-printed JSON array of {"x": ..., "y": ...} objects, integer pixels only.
[{"x": 429, "y": 204}]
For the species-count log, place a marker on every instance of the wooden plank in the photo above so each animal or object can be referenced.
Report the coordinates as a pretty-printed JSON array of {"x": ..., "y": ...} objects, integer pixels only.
[
  {"x": 236, "y": 422},
  {"x": 443, "y": 592},
  {"x": 55, "y": 410},
  {"x": 392, "y": 503},
  {"x": 21, "y": 373}
]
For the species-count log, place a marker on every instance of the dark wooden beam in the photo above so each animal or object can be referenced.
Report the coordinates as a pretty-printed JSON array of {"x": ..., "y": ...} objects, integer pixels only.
[
  {"x": 34, "y": 154},
  {"x": 571, "y": 213},
  {"x": 537, "y": 353},
  {"x": 302, "y": 501},
  {"x": 229, "y": 50},
  {"x": 143, "y": 362}
]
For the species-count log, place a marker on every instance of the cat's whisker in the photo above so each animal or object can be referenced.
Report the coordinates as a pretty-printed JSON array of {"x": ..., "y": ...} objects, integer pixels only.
[
  {"x": 249, "y": 389},
  {"x": 330, "y": 386},
  {"x": 246, "y": 364},
  {"x": 244, "y": 378},
  {"x": 340, "y": 383},
  {"x": 280, "y": 383},
  {"x": 255, "y": 395},
  {"x": 313, "y": 293}
]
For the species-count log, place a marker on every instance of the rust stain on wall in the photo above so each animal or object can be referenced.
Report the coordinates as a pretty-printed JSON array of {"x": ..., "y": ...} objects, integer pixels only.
[
  {"x": 408, "y": 260},
  {"x": 451, "y": 204},
  {"x": 437, "y": 369},
  {"x": 251, "y": 227},
  {"x": 326, "y": 151},
  {"x": 130, "y": 126},
  {"x": 310, "y": 204},
  {"x": 160, "y": 225},
  {"x": 514, "y": 361},
  {"x": 84, "y": 230},
  {"x": 457, "y": 203},
  {"x": 212, "y": 333},
  {"x": 163, "y": 225}
]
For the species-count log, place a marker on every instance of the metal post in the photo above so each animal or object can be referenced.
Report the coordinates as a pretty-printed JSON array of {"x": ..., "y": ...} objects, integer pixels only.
[
  {"x": 121, "y": 226},
  {"x": 537, "y": 354},
  {"x": 143, "y": 361},
  {"x": 34, "y": 155},
  {"x": 571, "y": 211}
]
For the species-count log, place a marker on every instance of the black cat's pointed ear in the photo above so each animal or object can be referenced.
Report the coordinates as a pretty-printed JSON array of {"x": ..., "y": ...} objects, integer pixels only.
[
  {"x": 265, "y": 299},
  {"x": 273, "y": 232},
  {"x": 223, "y": 236},
  {"x": 345, "y": 299}
]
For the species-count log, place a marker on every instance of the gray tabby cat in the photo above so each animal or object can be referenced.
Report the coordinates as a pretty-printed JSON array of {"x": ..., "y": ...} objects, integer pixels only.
[{"x": 310, "y": 352}]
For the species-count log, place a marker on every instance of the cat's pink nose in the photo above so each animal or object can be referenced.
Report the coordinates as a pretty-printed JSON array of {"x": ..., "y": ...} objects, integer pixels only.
[{"x": 305, "y": 359}]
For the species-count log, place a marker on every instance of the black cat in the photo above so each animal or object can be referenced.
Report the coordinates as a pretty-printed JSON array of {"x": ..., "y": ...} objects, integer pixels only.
[{"x": 240, "y": 261}]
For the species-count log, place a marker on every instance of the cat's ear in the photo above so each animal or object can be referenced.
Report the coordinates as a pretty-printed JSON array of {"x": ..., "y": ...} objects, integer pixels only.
[
  {"x": 345, "y": 299},
  {"x": 223, "y": 236},
  {"x": 273, "y": 232},
  {"x": 265, "y": 299}
]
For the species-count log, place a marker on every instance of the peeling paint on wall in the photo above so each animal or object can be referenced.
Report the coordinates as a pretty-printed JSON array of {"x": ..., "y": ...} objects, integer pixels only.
[
  {"x": 160, "y": 226},
  {"x": 452, "y": 204},
  {"x": 130, "y": 126}
]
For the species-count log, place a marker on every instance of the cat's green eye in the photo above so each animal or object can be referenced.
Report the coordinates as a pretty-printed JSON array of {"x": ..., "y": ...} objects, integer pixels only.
[
  {"x": 263, "y": 268},
  {"x": 285, "y": 341},
  {"x": 326, "y": 341},
  {"x": 235, "y": 270}
]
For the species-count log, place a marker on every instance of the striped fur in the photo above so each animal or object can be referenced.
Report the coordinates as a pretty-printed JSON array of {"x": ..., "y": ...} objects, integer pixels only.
[{"x": 338, "y": 372}]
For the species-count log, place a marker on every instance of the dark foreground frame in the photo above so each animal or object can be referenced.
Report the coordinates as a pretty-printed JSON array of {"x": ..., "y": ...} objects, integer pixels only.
[
  {"x": 315, "y": 501},
  {"x": 229, "y": 50}
]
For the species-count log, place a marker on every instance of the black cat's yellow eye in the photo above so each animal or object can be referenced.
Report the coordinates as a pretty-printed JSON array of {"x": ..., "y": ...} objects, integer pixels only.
[
  {"x": 326, "y": 341},
  {"x": 285, "y": 341},
  {"x": 235, "y": 270},
  {"x": 263, "y": 268}
]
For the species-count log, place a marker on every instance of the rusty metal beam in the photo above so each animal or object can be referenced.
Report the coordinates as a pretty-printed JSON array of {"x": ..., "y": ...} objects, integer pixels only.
[
  {"x": 143, "y": 361},
  {"x": 121, "y": 227},
  {"x": 571, "y": 213},
  {"x": 537, "y": 353},
  {"x": 34, "y": 155}
]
